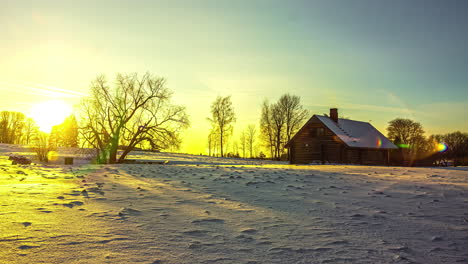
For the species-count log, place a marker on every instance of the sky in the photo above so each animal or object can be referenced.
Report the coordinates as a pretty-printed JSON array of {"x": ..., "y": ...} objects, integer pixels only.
[{"x": 374, "y": 60}]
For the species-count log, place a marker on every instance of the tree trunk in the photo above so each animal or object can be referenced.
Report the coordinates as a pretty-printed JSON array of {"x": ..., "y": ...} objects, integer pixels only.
[
  {"x": 113, "y": 150},
  {"x": 221, "y": 143},
  {"x": 112, "y": 156},
  {"x": 125, "y": 153},
  {"x": 278, "y": 146},
  {"x": 102, "y": 156}
]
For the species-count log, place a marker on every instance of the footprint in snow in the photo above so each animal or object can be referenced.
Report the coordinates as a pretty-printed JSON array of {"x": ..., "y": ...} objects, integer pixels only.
[
  {"x": 128, "y": 211},
  {"x": 245, "y": 238},
  {"x": 357, "y": 215},
  {"x": 27, "y": 247},
  {"x": 249, "y": 231},
  {"x": 197, "y": 232},
  {"x": 208, "y": 220}
]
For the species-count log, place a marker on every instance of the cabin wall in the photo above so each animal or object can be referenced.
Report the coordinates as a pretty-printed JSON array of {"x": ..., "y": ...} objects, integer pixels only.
[
  {"x": 353, "y": 156},
  {"x": 374, "y": 157}
]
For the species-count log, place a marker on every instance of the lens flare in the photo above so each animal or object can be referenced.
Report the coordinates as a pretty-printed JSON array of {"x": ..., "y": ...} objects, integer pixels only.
[
  {"x": 441, "y": 147},
  {"x": 379, "y": 142},
  {"x": 403, "y": 145}
]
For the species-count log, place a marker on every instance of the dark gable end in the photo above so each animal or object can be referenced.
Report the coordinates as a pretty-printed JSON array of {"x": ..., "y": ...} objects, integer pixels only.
[{"x": 298, "y": 132}]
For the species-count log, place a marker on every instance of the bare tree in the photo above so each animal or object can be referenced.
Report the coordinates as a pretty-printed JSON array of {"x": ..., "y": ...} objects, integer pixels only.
[
  {"x": 211, "y": 143},
  {"x": 223, "y": 117},
  {"x": 280, "y": 121},
  {"x": 454, "y": 148},
  {"x": 65, "y": 134},
  {"x": 136, "y": 109},
  {"x": 266, "y": 127},
  {"x": 294, "y": 114},
  {"x": 243, "y": 143},
  {"x": 251, "y": 133},
  {"x": 235, "y": 148},
  {"x": 272, "y": 125},
  {"x": 457, "y": 146},
  {"x": 11, "y": 127},
  {"x": 42, "y": 146},
  {"x": 30, "y": 131}
]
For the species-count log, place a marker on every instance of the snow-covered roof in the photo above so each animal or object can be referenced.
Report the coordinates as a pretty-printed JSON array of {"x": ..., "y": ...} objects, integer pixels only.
[{"x": 357, "y": 134}]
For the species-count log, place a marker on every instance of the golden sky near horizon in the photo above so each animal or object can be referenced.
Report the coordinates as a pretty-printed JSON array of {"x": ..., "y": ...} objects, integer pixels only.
[{"x": 375, "y": 62}]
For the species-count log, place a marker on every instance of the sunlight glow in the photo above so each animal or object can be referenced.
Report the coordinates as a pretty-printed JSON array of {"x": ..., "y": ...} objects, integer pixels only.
[
  {"x": 52, "y": 155},
  {"x": 50, "y": 113}
]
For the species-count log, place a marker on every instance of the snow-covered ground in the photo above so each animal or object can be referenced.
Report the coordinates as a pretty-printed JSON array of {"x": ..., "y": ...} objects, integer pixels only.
[{"x": 198, "y": 209}]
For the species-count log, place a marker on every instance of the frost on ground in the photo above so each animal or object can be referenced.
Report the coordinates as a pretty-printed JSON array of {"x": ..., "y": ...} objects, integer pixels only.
[{"x": 206, "y": 210}]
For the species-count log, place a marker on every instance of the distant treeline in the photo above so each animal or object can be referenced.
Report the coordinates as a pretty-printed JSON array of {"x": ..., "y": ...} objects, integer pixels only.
[
  {"x": 417, "y": 149},
  {"x": 455, "y": 150},
  {"x": 15, "y": 128}
]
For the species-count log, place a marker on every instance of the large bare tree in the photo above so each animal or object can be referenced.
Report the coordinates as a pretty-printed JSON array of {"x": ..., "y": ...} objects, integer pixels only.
[
  {"x": 222, "y": 118},
  {"x": 134, "y": 110}
]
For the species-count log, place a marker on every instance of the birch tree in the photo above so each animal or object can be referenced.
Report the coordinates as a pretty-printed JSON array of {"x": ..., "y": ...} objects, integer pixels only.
[{"x": 222, "y": 119}]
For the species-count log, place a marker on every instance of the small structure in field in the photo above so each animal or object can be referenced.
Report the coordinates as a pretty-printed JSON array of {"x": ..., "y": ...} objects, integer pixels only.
[{"x": 329, "y": 139}]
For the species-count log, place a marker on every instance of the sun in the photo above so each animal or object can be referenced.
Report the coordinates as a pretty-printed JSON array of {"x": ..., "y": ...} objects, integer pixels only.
[{"x": 50, "y": 113}]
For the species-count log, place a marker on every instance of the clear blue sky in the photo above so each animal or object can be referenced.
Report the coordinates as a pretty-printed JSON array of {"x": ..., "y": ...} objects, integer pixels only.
[{"x": 374, "y": 60}]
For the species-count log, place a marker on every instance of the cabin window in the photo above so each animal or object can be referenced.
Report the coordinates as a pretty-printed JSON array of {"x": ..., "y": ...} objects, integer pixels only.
[
  {"x": 320, "y": 131},
  {"x": 317, "y": 131}
]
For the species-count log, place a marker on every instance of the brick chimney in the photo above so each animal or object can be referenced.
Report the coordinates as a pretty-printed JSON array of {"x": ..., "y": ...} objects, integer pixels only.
[{"x": 334, "y": 114}]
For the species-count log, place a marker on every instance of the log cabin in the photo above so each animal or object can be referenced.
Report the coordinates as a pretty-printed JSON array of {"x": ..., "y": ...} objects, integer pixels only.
[{"x": 329, "y": 139}]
